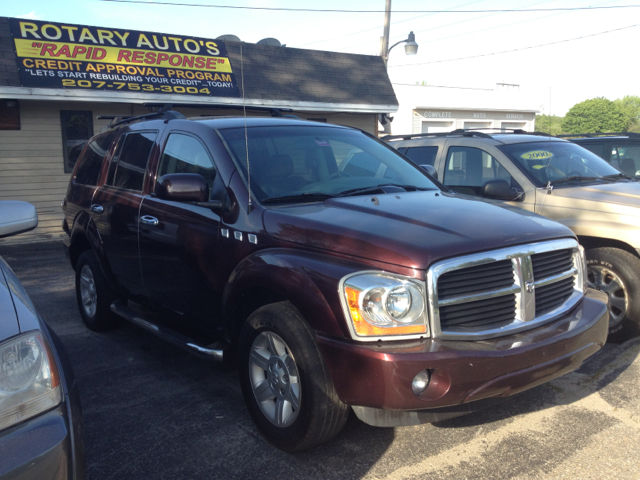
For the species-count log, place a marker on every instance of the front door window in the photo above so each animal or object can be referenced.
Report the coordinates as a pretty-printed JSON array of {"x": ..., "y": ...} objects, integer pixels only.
[{"x": 468, "y": 169}]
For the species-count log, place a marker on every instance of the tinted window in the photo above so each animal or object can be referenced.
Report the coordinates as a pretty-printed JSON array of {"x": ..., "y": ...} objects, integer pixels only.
[
  {"x": 91, "y": 162},
  {"x": 422, "y": 155},
  {"x": 77, "y": 129},
  {"x": 468, "y": 169},
  {"x": 627, "y": 158},
  {"x": 131, "y": 161},
  {"x": 185, "y": 154}
]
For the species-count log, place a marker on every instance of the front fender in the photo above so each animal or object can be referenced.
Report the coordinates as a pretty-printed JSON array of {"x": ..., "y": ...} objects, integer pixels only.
[{"x": 308, "y": 280}]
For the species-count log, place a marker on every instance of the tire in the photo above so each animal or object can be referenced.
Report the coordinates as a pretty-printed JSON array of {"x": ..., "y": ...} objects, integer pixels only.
[
  {"x": 276, "y": 347},
  {"x": 94, "y": 295},
  {"x": 617, "y": 273}
]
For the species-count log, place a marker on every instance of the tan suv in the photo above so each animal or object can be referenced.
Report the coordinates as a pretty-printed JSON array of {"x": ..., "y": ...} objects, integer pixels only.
[{"x": 559, "y": 180}]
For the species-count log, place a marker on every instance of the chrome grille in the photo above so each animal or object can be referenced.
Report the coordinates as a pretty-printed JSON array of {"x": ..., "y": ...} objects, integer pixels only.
[
  {"x": 550, "y": 296},
  {"x": 504, "y": 291},
  {"x": 548, "y": 264},
  {"x": 476, "y": 280}
]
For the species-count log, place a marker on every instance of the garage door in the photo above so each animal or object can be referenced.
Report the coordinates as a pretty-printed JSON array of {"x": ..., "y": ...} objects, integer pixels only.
[{"x": 436, "y": 127}]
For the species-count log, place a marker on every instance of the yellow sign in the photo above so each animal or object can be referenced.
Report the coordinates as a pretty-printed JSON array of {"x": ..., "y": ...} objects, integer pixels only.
[
  {"x": 537, "y": 155},
  {"x": 121, "y": 56}
]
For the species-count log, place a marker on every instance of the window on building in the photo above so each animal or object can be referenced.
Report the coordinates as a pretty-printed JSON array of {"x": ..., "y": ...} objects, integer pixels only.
[
  {"x": 77, "y": 129},
  {"x": 130, "y": 160},
  {"x": 9, "y": 115}
]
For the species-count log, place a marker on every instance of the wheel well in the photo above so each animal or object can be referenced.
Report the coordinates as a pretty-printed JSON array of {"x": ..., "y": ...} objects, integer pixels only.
[
  {"x": 249, "y": 302},
  {"x": 596, "y": 242},
  {"x": 78, "y": 245}
]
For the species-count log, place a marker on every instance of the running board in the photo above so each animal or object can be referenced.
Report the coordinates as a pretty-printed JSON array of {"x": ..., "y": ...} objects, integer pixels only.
[{"x": 212, "y": 352}]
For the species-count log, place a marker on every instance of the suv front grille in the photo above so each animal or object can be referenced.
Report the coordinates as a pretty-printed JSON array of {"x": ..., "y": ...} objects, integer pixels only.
[{"x": 504, "y": 291}]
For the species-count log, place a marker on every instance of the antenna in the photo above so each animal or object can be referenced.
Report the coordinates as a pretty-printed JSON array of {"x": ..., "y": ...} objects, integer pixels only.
[{"x": 246, "y": 137}]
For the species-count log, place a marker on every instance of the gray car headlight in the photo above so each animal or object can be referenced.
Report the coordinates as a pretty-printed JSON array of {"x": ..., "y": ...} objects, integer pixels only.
[
  {"x": 379, "y": 304},
  {"x": 29, "y": 380}
]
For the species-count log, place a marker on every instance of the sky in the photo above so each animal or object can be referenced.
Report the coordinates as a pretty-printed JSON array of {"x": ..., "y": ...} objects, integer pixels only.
[{"x": 555, "y": 58}]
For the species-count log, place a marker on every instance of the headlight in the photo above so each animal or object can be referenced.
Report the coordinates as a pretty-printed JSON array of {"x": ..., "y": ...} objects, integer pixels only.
[
  {"x": 382, "y": 304},
  {"x": 29, "y": 380}
]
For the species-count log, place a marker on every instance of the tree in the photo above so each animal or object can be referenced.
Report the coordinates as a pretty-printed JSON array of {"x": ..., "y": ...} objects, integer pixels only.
[
  {"x": 595, "y": 115},
  {"x": 630, "y": 105},
  {"x": 549, "y": 124}
]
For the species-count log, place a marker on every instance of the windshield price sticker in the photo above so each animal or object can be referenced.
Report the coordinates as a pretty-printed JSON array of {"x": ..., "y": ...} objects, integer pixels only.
[
  {"x": 537, "y": 155},
  {"x": 54, "y": 55}
]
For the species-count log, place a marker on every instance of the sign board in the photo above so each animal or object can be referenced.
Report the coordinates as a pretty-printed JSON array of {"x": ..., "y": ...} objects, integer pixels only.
[{"x": 56, "y": 55}]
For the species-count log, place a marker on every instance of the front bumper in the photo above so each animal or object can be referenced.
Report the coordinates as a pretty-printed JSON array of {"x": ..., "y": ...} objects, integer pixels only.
[{"x": 379, "y": 376}]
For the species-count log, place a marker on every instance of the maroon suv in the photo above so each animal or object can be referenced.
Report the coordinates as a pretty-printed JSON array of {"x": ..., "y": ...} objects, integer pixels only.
[{"x": 346, "y": 276}]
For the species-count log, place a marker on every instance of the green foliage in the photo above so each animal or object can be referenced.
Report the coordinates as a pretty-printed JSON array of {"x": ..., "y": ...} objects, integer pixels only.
[
  {"x": 594, "y": 115},
  {"x": 630, "y": 106},
  {"x": 549, "y": 124}
]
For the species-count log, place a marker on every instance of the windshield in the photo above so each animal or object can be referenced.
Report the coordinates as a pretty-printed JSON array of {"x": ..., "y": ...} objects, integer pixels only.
[
  {"x": 556, "y": 162},
  {"x": 313, "y": 162}
]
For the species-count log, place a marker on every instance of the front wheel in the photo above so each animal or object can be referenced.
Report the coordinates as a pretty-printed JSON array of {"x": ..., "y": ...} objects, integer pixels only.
[
  {"x": 617, "y": 273},
  {"x": 285, "y": 382}
]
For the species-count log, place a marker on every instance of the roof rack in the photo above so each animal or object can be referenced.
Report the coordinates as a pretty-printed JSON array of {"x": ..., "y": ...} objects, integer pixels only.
[
  {"x": 466, "y": 132},
  {"x": 164, "y": 113},
  {"x": 601, "y": 134},
  {"x": 409, "y": 136},
  {"x": 275, "y": 112}
]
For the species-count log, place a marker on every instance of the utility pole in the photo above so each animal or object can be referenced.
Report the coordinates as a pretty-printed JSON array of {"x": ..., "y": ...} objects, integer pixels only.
[{"x": 384, "y": 40}]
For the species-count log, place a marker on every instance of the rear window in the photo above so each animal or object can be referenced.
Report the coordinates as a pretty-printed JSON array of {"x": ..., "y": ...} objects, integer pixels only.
[
  {"x": 130, "y": 161},
  {"x": 422, "y": 155},
  {"x": 90, "y": 164}
]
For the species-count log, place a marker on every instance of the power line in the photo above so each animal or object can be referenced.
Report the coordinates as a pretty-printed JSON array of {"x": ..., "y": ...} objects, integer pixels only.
[
  {"x": 321, "y": 10},
  {"x": 442, "y": 86},
  {"x": 515, "y": 49}
]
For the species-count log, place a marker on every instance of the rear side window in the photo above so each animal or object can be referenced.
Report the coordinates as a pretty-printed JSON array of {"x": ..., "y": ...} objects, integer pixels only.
[
  {"x": 422, "y": 155},
  {"x": 90, "y": 163},
  {"x": 130, "y": 161}
]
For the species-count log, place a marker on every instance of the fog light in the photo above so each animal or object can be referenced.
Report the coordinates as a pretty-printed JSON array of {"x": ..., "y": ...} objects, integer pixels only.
[{"x": 420, "y": 382}]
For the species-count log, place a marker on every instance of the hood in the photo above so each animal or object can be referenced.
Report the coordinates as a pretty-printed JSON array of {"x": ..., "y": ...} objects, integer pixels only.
[
  {"x": 412, "y": 229},
  {"x": 607, "y": 197}
]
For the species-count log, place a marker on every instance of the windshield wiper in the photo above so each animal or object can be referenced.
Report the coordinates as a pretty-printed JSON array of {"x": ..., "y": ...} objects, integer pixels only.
[
  {"x": 617, "y": 176},
  {"x": 376, "y": 188},
  {"x": 580, "y": 178},
  {"x": 302, "y": 197}
]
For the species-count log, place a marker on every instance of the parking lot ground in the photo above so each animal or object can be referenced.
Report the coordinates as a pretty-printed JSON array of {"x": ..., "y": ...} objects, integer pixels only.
[{"x": 152, "y": 411}]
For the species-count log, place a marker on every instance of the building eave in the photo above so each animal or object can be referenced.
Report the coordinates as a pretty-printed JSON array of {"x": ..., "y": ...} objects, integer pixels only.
[{"x": 52, "y": 94}]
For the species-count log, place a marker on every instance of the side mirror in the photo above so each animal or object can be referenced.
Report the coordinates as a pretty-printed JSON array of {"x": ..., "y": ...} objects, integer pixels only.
[
  {"x": 183, "y": 187},
  {"x": 430, "y": 169},
  {"x": 17, "y": 217},
  {"x": 499, "y": 189}
]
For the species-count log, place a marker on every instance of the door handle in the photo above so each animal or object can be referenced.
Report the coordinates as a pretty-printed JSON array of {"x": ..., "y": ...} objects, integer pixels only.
[
  {"x": 95, "y": 208},
  {"x": 148, "y": 220}
]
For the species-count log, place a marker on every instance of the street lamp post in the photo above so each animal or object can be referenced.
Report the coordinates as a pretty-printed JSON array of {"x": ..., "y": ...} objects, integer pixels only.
[{"x": 411, "y": 48}]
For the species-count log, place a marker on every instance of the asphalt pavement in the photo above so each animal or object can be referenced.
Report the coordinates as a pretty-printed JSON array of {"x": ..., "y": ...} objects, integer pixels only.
[{"x": 152, "y": 411}]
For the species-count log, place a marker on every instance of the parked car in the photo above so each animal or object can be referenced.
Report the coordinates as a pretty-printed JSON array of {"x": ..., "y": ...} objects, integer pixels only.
[
  {"x": 622, "y": 150},
  {"x": 40, "y": 413},
  {"x": 379, "y": 291},
  {"x": 559, "y": 180}
]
